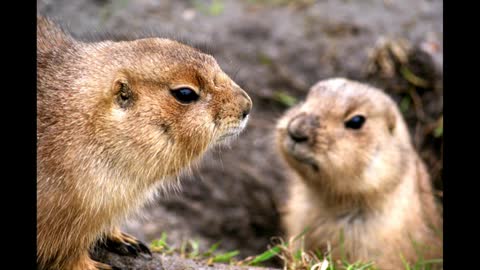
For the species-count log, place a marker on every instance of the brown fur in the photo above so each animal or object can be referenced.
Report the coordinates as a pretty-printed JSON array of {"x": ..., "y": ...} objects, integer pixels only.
[
  {"x": 369, "y": 183},
  {"x": 98, "y": 161}
]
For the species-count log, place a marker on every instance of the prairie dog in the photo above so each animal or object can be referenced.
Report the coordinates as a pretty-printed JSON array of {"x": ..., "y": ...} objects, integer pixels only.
[
  {"x": 114, "y": 120},
  {"x": 355, "y": 174}
]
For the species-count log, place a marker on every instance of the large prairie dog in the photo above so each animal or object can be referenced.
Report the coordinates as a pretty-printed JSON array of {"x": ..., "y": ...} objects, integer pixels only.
[
  {"x": 356, "y": 173},
  {"x": 115, "y": 119}
]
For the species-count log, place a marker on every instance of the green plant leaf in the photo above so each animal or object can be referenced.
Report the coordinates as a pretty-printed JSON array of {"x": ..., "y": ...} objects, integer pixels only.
[
  {"x": 195, "y": 248},
  {"x": 284, "y": 98},
  {"x": 160, "y": 244},
  {"x": 265, "y": 255},
  {"x": 438, "y": 132},
  {"x": 225, "y": 257},
  {"x": 412, "y": 78},
  {"x": 211, "y": 249},
  {"x": 405, "y": 104}
]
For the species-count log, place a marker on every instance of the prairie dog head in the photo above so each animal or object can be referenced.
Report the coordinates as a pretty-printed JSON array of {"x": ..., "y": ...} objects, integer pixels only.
[
  {"x": 157, "y": 104},
  {"x": 346, "y": 137}
]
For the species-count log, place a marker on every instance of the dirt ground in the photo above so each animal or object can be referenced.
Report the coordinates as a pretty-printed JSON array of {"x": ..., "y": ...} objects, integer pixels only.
[{"x": 275, "y": 50}]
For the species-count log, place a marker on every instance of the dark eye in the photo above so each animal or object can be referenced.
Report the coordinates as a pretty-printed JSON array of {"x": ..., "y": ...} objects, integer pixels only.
[
  {"x": 355, "y": 122},
  {"x": 184, "y": 95}
]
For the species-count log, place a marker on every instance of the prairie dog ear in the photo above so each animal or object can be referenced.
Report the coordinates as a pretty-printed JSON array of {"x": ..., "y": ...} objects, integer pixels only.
[
  {"x": 123, "y": 93},
  {"x": 391, "y": 117}
]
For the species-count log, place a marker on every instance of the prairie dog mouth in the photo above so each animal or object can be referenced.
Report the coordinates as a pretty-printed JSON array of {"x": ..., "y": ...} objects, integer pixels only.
[
  {"x": 234, "y": 131},
  {"x": 300, "y": 152}
]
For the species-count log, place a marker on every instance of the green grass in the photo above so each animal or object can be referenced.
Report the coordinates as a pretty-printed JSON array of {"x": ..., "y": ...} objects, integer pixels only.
[
  {"x": 412, "y": 78},
  {"x": 405, "y": 104},
  {"x": 284, "y": 98},
  {"x": 190, "y": 249},
  {"x": 438, "y": 131},
  {"x": 264, "y": 59},
  {"x": 291, "y": 258},
  {"x": 300, "y": 259},
  {"x": 225, "y": 257}
]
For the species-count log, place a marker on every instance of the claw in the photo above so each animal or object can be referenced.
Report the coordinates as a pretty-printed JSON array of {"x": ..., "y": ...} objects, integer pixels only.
[
  {"x": 124, "y": 244},
  {"x": 144, "y": 248},
  {"x": 132, "y": 249}
]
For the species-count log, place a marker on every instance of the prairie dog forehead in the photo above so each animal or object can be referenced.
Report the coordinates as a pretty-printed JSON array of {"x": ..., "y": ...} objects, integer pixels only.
[
  {"x": 341, "y": 97},
  {"x": 185, "y": 68},
  {"x": 152, "y": 51}
]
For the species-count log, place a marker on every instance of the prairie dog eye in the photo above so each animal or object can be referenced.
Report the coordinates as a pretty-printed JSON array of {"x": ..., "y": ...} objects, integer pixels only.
[
  {"x": 355, "y": 122},
  {"x": 185, "y": 95}
]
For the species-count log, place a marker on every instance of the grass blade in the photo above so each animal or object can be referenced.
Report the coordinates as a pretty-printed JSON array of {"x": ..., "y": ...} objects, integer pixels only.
[
  {"x": 225, "y": 257},
  {"x": 265, "y": 255}
]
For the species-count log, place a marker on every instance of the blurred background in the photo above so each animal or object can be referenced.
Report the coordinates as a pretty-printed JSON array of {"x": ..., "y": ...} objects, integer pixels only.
[{"x": 276, "y": 50}]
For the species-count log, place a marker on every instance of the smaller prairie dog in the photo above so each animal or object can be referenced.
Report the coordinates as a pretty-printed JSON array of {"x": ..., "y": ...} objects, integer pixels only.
[{"x": 357, "y": 176}]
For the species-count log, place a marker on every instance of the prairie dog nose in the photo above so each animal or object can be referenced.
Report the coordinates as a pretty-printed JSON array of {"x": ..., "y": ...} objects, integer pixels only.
[
  {"x": 245, "y": 103},
  {"x": 302, "y": 127}
]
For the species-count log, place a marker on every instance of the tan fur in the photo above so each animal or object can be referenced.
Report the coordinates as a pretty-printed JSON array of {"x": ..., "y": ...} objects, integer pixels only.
[
  {"x": 99, "y": 162},
  {"x": 369, "y": 183}
]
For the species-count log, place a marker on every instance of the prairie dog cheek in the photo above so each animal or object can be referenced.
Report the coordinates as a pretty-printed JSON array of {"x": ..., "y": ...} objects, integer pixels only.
[
  {"x": 283, "y": 122},
  {"x": 118, "y": 114},
  {"x": 208, "y": 98}
]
